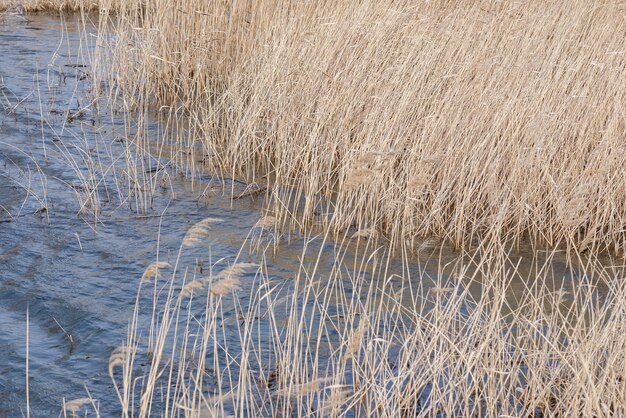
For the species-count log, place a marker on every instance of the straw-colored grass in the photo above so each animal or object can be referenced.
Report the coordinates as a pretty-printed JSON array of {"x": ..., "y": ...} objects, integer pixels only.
[
  {"x": 153, "y": 271},
  {"x": 458, "y": 119},
  {"x": 479, "y": 122},
  {"x": 199, "y": 232},
  {"x": 361, "y": 343},
  {"x": 60, "y": 5}
]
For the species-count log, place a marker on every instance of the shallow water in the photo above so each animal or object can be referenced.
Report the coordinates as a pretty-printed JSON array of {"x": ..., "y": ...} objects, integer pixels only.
[{"x": 73, "y": 276}]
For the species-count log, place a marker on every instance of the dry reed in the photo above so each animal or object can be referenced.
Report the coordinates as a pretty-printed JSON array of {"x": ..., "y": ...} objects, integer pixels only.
[
  {"x": 153, "y": 271},
  {"x": 267, "y": 221},
  {"x": 474, "y": 122},
  {"x": 119, "y": 357},
  {"x": 459, "y": 352},
  {"x": 228, "y": 280},
  {"x": 461, "y": 120},
  {"x": 74, "y": 406},
  {"x": 198, "y": 232},
  {"x": 191, "y": 288}
]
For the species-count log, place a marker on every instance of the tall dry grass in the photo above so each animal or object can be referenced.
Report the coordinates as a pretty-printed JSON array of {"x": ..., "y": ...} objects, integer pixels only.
[
  {"x": 60, "y": 5},
  {"x": 463, "y": 120},
  {"x": 442, "y": 119},
  {"x": 479, "y": 122},
  {"x": 358, "y": 340}
]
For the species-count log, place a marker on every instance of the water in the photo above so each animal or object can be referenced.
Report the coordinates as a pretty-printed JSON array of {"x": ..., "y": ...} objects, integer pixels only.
[{"x": 72, "y": 276}]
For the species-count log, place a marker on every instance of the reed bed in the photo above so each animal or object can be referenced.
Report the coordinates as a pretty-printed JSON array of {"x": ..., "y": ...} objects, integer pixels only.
[
  {"x": 46, "y": 5},
  {"x": 59, "y": 5},
  {"x": 361, "y": 341},
  {"x": 460, "y": 120},
  {"x": 478, "y": 122}
]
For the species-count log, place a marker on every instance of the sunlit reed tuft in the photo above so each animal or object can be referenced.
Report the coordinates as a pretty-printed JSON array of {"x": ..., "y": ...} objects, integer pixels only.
[
  {"x": 199, "y": 232},
  {"x": 75, "y": 405},
  {"x": 153, "y": 270},
  {"x": 229, "y": 279}
]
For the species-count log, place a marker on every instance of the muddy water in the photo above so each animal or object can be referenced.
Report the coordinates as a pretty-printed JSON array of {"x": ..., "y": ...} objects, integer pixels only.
[{"x": 70, "y": 277}]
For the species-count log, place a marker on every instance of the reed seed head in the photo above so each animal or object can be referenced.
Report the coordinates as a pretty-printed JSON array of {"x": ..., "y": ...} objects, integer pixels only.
[
  {"x": 119, "y": 357},
  {"x": 302, "y": 389},
  {"x": 198, "y": 232},
  {"x": 266, "y": 221},
  {"x": 370, "y": 233},
  {"x": 74, "y": 405},
  {"x": 153, "y": 270},
  {"x": 190, "y": 288},
  {"x": 229, "y": 279}
]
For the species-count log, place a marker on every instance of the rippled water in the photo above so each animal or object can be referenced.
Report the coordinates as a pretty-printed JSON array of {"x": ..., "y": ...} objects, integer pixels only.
[{"x": 74, "y": 275}]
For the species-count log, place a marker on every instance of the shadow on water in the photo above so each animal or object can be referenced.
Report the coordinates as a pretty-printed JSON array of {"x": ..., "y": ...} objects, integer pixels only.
[{"x": 77, "y": 275}]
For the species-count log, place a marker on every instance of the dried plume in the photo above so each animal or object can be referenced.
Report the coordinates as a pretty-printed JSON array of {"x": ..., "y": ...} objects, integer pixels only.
[
  {"x": 199, "y": 231},
  {"x": 440, "y": 290},
  {"x": 302, "y": 389},
  {"x": 153, "y": 270},
  {"x": 356, "y": 337},
  {"x": 359, "y": 177},
  {"x": 266, "y": 221},
  {"x": 190, "y": 288},
  {"x": 119, "y": 357},
  {"x": 74, "y": 405},
  {"x": 369, "y": 233},
  {"x": 230, "y": 278}
]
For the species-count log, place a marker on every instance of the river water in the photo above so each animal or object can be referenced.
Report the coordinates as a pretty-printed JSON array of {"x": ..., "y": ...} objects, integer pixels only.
[
  {"x": 74, "y": 276},
  {"x": 70, "y": 277}
]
